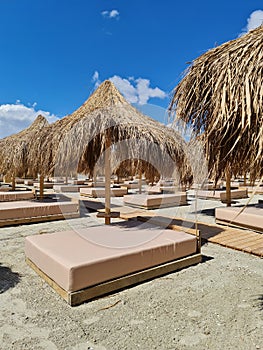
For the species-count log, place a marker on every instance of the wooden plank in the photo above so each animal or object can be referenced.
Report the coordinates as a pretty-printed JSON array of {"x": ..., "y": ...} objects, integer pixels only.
[
  {"x": 242, "y": 243},
  {"x": 237, "y": 237},
  {"x": 29, "y": 220},
  {"x": 76, "y": 298},
  {"x": 258, "y": 251},
  {"x": 224, "y": 240},
  {"x": 249, "y": 249},
  {"x": 238, "y": 226},
  {"x": 53, "y": 284}
]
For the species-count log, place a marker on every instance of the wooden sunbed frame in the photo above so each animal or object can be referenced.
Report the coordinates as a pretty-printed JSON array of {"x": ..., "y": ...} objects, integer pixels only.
[
  {"x": 31, "y": 220},
  {"x": 104, "y": 288},
  {"x": 238, "y": 225}
]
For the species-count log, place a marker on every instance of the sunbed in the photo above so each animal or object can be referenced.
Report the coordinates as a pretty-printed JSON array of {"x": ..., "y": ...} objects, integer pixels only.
[
  {"x": 251, "y": 217},
  {"x": 98, "y": 260},
  {"x": 154, "y": 201},
  {"x": 68, "y": 188},
  {"x": 98, "y": 192},
  {"x": 21, "y": 212},
  {"x": 7, "y": 196},
  {"x": 221, "y": 194}
]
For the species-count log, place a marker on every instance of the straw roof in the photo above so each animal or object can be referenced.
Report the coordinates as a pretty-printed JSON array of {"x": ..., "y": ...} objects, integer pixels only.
[
  {"x": 14, "y": 148},
  {"x": 221, "y": 97},
  {"x": 78, "y": 140}
]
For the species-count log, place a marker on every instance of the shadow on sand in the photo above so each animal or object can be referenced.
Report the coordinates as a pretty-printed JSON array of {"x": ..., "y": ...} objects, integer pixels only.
[{"x": 8, "y": 278}]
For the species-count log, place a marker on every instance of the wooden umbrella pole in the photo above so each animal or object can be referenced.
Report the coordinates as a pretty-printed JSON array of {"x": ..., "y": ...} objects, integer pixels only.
[
  {"x": 140, "y": 180},
  {"x": 13, "y": 183},
  {"x": 41, "y": 187},
  {"x": 245, "y": 178},
  {"x": 228, "y": 187},
  {"x": 107, "y": 177}
]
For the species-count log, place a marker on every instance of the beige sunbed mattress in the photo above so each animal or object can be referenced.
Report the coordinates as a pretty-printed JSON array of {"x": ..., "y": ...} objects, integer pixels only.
[
  {"x": 68, "y": 188},
  {"x": 100, "y": 192},
  {"x": 46, "y": 184},
  {"x": 15, "y": 196},
  {"x": 221, "y": 195},
  {"x": 155, "y": 201},
  {"x": 76, "y": 260},
  {"x": 251, "y": 217},
  {"x": 11, "y": 212}
]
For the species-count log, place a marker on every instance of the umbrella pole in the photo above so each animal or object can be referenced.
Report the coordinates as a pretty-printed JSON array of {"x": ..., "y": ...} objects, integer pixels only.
[
  {"x": 13, "y": 183},
  {"x": 107, "y": 178},
  {"x": 228, "y": 188},
  {"x": 41, "y": 187},
  {"x": 140, "y": 181}
]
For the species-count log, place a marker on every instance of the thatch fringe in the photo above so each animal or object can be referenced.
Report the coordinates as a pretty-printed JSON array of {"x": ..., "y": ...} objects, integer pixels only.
[
  {"x": 221, "y": 97},
  {"x": 77, "y": 141},
  {"x": 14, "y": 149}
]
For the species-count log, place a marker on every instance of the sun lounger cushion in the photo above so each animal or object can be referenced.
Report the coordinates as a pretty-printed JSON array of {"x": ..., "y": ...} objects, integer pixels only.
[
  {"x": 27, "y": 209},
  {"x": 221, "y": 195},
  {"x": 15, "y": 196},
  {"x": 29, "y": 182},
  {"x": 68, "y": 188},
  {"x": 100, "y": 192},
  {"x": 155, "y": 201},
  {"x": 162, "y": 189},
  {"x": 46, "y": 184},
  {"x": 76, "y": 260},
  {"x": 251, "y": 216}
]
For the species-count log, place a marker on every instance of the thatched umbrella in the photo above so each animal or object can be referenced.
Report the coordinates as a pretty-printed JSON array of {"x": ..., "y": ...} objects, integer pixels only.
[
  {"x": 221, "y": 97},
  {"x": 106, "y": 120},
  {"x": 14, "y": 150}
]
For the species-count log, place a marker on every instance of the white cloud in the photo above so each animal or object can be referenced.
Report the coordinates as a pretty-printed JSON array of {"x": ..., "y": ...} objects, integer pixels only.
[
  {"x": 137, "y": 90},
  {"x": 145, "y": 92},
  {"x": 95, "y": 79},
  {"x": 254, "y": 20},
  {"x": 134, "y": 90},
  {"x": 111, "y": 14},
  {"x": 16, "y": 117},
  {"x": 126, "y": 88}
]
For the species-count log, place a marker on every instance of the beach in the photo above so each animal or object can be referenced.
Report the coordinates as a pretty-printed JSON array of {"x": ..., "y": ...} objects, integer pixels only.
[{"x": 217, "y": 304}]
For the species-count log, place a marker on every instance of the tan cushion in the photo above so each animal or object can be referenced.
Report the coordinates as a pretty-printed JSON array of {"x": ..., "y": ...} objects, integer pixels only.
[
  {"x": 250, "y": 217},
  {"x": 15, "y": 195},
  {"x": 68, "y": 188},
  {"x": 76, "y": 260},
  {"x": 46, "y": 184},
  {"x": 147, "y": 201},
  {"x": 100, "y": 192},
  {"x": 25, "y": 209},
  {"x": 218, "y": 194}
]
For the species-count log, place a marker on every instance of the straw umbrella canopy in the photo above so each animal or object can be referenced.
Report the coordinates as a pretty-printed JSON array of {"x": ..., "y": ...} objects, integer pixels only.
[
  {"x": 221, "y": 97},
  {"x": 106, "y": 120},
  {"x": 14, "y": 149}
]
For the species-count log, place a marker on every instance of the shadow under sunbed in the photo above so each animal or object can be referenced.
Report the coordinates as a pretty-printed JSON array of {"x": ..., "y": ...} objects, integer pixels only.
[
  {"x": 8, "y": 278},
  {"x": 207, "y": 231},
  {"x": 92, "y": 205}
]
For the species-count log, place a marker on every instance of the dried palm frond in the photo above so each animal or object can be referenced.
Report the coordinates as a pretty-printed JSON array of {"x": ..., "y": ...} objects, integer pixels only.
[
  {"x": 14, "y": 149},
  {"x": 221, "y": 97},
  {"x": 79, "y": 140}
]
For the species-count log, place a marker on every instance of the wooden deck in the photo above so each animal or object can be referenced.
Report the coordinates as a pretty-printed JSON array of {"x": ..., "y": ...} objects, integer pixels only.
[{"x": 240, "y": 239}]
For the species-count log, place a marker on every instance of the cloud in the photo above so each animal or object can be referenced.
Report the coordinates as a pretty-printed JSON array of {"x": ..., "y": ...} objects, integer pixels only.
[
  {"x": 16, "y": 117},
  {"x": 111, "y": 14},
  {"x": 95, "y": 79},
  {"x": 145, "y": 92},
  {"x": 254, "y": 20},
  {"x": 126, "y": 88},
  {"x": 134, "y": 90}
]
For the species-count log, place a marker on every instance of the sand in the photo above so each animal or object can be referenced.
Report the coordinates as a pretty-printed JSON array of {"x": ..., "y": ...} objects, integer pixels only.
[{"x": 217, "y": 304}]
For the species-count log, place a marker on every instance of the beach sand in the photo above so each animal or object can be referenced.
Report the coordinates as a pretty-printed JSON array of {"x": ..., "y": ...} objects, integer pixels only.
[{"x": 217, "y": 304}]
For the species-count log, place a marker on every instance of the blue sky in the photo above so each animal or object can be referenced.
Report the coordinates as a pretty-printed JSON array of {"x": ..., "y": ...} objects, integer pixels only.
[{"x": 55, "y": 52}]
